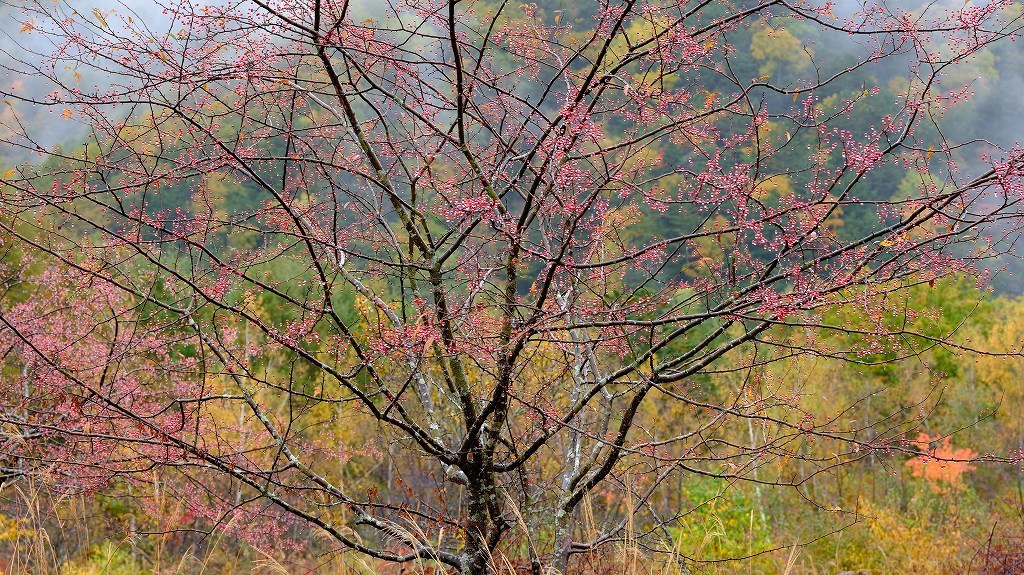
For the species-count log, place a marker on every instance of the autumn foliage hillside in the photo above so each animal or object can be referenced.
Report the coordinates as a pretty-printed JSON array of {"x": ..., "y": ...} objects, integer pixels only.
[{"x": 935, "y": 512}]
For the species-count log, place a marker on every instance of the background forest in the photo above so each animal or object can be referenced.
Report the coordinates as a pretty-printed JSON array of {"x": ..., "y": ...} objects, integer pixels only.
[
  {"x": 944, "y": 510},
  {"x": 884, "y": 514}
]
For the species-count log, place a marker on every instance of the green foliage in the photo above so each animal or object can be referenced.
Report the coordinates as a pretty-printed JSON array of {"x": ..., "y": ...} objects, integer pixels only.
[
  {"x": 106, "y": 558},
  {"x": 724, "y": 522}
]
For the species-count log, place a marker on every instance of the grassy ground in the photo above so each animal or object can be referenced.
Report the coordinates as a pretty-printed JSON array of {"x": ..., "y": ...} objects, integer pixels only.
[{"x": 79, "y": 536}]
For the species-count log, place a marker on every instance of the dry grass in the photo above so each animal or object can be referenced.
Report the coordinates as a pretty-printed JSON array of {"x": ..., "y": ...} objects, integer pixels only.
[{"x": 70, "y": 536}]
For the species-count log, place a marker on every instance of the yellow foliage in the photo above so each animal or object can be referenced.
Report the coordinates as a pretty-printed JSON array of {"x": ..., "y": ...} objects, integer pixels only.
[
  {"x": 777, "y": 186},
  {"x": 776, "y": 49},
  {"x": 12, "y": 529}
]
